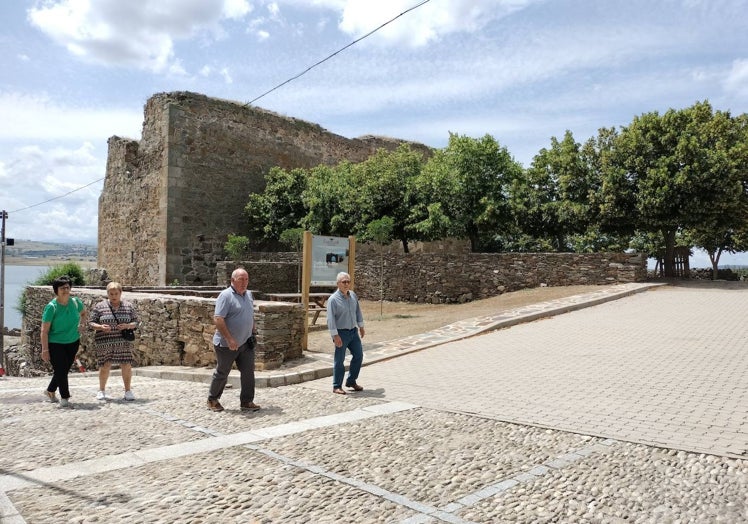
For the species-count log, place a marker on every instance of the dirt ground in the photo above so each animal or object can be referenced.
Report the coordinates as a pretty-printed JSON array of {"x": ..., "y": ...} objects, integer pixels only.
[{"x": 393, "y": 320}]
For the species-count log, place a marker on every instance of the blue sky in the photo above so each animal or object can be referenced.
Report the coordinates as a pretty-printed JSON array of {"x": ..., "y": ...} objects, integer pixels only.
[{"x": 76, "y": 72}]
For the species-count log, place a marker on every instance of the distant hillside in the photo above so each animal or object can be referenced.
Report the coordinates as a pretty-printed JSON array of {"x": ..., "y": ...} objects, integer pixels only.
[{"x": 47, "y": 253}]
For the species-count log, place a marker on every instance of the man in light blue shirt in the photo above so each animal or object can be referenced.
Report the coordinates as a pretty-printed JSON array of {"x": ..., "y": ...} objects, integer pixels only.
[
  {"x": 345, "y": 321},
  {"x": 233, "y": 341}
]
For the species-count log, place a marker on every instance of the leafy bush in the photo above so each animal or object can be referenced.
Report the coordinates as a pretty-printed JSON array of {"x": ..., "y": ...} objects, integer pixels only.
[
  {"x": 237, "y": 247},
  {"x": 71, "y": 269}
]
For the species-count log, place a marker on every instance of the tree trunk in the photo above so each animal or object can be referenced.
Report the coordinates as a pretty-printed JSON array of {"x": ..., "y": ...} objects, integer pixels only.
[
  {"x": 669, "y": 259},
  {"x": 404, "y": 240},
  {"x": 714, "y": 259}
]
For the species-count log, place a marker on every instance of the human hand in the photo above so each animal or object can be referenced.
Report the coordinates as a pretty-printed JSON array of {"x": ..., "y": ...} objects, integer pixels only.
[
  {"x": 361, "y": 331},
  {"x": 45, "y": 355},
  {"x": 337, "y": 340}
]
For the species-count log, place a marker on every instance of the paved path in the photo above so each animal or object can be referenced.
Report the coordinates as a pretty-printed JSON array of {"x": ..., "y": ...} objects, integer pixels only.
[
  {"x": 667, "y": 368},
  {"x": 630, "y": 411}
]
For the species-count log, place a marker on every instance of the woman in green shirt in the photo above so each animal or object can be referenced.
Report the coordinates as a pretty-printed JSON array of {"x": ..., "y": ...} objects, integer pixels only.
[{"x": 61, "y": 337}]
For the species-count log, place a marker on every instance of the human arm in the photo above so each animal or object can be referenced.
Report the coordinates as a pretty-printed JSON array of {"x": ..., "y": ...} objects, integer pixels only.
[
  {"x": 332, "y": 326},
  {"x": 45, "y": 340},
  {"x": 220, "y": 323}
]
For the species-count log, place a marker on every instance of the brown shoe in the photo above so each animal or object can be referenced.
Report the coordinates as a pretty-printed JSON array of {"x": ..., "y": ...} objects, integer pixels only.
[
  {"x": 339, "y": 391},
  {"x": 249, "y": 406},
  {"x": 214, "y": 405},
  {"x": 355, "y": 387}
]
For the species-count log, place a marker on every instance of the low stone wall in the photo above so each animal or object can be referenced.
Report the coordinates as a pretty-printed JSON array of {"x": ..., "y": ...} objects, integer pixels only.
[
  {"x": 175, "y": 330},
  {"x": 454, "y": 277}
]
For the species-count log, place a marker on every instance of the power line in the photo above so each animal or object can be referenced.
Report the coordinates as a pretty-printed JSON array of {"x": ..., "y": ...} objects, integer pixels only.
[
  {"x": 266, "y": 92},
  {"x": 58, "y": 197},
  {"x": 336, "y": 52}
]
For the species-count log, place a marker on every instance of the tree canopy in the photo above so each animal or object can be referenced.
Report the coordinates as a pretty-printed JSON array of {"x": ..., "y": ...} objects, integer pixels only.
[{"x": 677, "y": 176}]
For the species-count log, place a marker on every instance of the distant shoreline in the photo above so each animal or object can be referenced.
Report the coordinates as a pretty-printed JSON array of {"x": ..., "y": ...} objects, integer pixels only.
[{"x": 47, "y": 261}]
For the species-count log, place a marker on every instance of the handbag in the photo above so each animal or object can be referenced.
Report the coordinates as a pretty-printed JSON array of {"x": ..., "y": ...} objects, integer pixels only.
[{"x": 127, "y": 334}]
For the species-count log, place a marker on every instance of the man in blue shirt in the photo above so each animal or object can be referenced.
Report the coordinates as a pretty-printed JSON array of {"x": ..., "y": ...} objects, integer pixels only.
[
  {"x": 235, "y": 324},
  {"x": 345, "y": 321}
]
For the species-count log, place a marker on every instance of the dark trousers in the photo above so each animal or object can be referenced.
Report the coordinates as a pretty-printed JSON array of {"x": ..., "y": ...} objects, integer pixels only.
[
  {"x": 61, "y": 356},
  {"x": 352, "y": 342},
  {"x": 245, "y": 363}
]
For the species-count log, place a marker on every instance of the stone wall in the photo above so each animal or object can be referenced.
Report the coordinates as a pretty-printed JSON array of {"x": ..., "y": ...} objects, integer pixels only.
[
  {"x": 170, "y": 200},
  {"x": 176, "y": 330},
  {"x": 457, "y": 277}
]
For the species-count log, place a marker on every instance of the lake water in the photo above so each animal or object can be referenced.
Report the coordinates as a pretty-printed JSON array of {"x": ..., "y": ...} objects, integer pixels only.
[{"x": 16, "y": 278}]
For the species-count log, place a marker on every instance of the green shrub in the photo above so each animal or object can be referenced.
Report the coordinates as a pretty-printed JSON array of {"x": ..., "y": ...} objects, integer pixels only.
[
  {"x": 237, "y": 247},
  {"x": 71, "y": 269}
]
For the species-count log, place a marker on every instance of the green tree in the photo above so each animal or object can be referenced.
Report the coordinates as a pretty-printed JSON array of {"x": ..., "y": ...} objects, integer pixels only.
[
  {"x": 727, "y": 232},
  {"x": 324, "y": 200},
  {"x": 671, "y": 172},
  {"x": 463, "y": 191},
  {"x": 385, "y": 187},
  {"x": 279, "y": 207},
  {"x": 381, "y": 231},
  {"x": 553, "y": 200}
]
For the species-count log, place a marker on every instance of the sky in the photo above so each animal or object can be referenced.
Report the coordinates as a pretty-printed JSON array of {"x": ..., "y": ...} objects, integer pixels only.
[{"x": 76, "y": 72}]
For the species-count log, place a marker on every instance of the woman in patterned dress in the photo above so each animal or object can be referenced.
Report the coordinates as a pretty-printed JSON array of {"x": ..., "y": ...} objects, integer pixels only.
[{"x": 108, "y": 318}]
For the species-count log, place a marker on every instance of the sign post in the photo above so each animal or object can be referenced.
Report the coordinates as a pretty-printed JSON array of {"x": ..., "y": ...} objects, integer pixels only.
[
  {"x": 323, "y": 258},
  {"x": 4, "y": 360}
]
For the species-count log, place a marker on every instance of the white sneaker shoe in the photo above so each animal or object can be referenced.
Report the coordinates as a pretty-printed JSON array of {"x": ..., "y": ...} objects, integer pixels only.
[
  {"x": 129, "y": 395},
  {"x": 101, "y": 395},
  {"x": 51, "y": 396},
  {"x": 64, "y": 403}
]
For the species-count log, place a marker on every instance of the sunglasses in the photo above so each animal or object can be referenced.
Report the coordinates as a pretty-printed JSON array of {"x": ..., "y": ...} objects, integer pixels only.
[{"x": 345, "y": 281}]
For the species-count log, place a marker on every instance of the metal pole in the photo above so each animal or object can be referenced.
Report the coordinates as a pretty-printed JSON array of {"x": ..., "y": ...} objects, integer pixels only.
[{"x": 4, "y": 362}]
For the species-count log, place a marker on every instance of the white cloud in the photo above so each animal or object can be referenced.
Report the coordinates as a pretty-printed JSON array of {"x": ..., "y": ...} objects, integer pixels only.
[
  {"x": 49, "y": 190},
  {"x": 136, "y": 34},
  {"x": 426, "y": 23},
  {"x": 28, "y": 116},
  {"x": 737, "y": 79}
]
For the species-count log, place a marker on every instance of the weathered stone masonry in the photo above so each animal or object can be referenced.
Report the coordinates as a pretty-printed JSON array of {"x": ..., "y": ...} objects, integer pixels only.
[
  {"x": 176, "y": 330},
  {"x": 170, "y": 200}
]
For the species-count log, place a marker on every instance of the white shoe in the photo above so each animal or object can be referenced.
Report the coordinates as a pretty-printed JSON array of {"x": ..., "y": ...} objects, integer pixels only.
[
  {"x": 101, "y": 395},
  {"x": 51, "y": 396},
  {"x": 64, "y": 403},
  {"x": 129, "y": 395}
]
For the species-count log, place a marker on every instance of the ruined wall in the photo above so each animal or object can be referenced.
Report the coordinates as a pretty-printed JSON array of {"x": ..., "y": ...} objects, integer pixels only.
[
  {"x": 190, "y": 177},
  {"x": 175, "y": 330}
]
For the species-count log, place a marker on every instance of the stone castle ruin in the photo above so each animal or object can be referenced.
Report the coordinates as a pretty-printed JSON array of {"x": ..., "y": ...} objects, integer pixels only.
[{"x": 171, "y": 199}]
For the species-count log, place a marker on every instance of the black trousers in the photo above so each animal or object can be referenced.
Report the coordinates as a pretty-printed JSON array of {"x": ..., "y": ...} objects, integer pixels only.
[{"x": 61, "y": 356}]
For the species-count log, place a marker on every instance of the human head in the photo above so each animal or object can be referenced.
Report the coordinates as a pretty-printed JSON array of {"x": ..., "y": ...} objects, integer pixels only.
[
  {"x": 344, "y": 281},
  {"x": 62, "y": 281},
  {"x": 114, "y": 291},
  {"x": 240, "y": 280}
]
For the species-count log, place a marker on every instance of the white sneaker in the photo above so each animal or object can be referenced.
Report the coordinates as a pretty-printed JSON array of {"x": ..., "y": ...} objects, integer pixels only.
[
  {"x": 129, "y": 395},
  {"x": 101, "y": 395},
  {"x": 51, "y": 396},
  {"x": 64, "y": 403}
]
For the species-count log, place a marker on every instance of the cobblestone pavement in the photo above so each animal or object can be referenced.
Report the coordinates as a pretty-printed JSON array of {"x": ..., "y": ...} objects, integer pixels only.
[{"x": 549, "y": 421}]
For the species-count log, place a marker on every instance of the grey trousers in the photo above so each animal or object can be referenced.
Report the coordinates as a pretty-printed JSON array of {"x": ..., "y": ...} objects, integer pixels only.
[{"x": 245, "y": 363}]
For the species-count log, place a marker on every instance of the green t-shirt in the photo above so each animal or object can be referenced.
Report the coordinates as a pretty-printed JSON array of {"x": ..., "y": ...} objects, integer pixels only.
[{"x": 64, "y": 320}]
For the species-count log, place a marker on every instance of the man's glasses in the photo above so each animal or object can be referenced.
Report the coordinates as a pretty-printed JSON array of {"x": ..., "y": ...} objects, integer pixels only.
[
  {"x": 345, "y": 281},
  {"x": 63, "y": 287}
]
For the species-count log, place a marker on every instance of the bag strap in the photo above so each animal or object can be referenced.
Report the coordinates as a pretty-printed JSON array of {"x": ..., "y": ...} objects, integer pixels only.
[{"x": 110, "y": 309}]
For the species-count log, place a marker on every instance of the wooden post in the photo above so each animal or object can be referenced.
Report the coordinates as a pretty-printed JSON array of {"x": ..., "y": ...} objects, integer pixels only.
[
  {"x": 306, "y": 283},
  {"x": 352, "y": 260}
]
